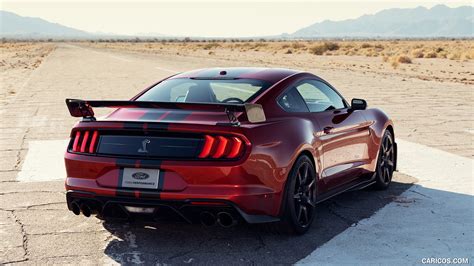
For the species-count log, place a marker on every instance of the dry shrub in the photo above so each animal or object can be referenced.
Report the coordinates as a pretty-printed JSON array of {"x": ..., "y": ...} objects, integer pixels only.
[
  {"x": 385, "y": 59},
  {"x": 455, "y": 56},
  {"x": 394, "y": 64},
  {"x": 365, "y": 46},
  {"x": 431, "y": 55},
  {"x": 418, "y": 53},
  {"x": 404, "y": 59},
  {"x": 298, "y": 45},
  {"x": 210, "y": 46},
  {"x": 318, "y": 49},
  {"x": 284, "y": 46},
  {"x": 324, "y": 47},
  {"x": 332, "y": 46},
  {"x": 379, "y": 46},
  {"x": 288, "y": 51}
]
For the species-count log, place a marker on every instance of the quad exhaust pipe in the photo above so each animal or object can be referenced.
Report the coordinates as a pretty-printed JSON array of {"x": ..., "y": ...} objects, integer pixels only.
[
  {"x": 226, "y": 219},
  {"x": 84, "y": 208},
  {"x": 208, "y": 219},
  {"x": 223, "y": 219},
  {"x": 75, "y": 208}
]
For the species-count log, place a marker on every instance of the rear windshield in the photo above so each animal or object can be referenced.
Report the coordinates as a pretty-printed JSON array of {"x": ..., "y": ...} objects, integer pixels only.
[{"x": 205, "y": 91}]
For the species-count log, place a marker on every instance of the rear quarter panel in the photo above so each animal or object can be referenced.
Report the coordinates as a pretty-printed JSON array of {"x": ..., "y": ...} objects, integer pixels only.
[{"x": 380, "y": 122}]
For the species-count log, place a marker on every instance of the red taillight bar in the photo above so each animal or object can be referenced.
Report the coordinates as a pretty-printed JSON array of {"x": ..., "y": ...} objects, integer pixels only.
[
  {"x": 84, "y": 141},
  {"x": 93, "y": 142},
  {"x": 76, "y": 141},
  {"x": 236, "y": 146},
  {"x": 81, "y": 141},
  {"x": 220, "y": 147},
  {"x": 206, "y": 150}
]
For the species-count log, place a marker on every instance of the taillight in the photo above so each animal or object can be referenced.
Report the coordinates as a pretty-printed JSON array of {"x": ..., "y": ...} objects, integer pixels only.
[
  {"x": 85, "y": 141},
  {"x": 218, "y": 147},
  {"x": 206, "y": 149}
]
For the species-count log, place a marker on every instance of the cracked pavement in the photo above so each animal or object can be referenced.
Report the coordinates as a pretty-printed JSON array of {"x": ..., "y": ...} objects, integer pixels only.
[{"x": 36, "y": 227}]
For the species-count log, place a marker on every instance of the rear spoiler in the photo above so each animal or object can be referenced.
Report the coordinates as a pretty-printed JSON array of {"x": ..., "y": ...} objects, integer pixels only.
[{"x": 83, "y": 108}]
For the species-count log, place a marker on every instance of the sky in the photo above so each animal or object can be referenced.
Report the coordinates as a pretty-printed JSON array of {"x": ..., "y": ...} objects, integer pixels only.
[{"x": 202, "y": 18}]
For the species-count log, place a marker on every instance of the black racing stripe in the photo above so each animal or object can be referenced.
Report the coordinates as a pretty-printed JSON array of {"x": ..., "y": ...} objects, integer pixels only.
[
  {"x": 120, "y": 178},
  {"x": 177, "y": 116},
  {"x": 161, "y": 180},
  {"x": 160, "y": 126},
  {"x": 132, "y": 125},
  {"x": 131, "y": 163},
  {"x": 120, "y": 192},
  {"x": 153, "y": 115},
  {"x": 140, "y": 125}
]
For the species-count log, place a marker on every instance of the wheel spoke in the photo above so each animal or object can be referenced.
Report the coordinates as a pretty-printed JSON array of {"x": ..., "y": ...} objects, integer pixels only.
[
  {"x": 309, "y": 202},
  {"x": 304, "y": 194},
  {"x": 300, "y": 210},
  {"x": 386, "y": 174},
  {"x": 305, "y": 212},
  {"x": 306, "y": 167},
  {"x": 389, "y": 151},
  {"x": 308, "y": 187},
  {"x": 390, "y": 163}
]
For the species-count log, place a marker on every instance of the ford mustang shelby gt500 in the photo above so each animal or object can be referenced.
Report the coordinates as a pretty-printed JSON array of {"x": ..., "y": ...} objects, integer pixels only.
[{"x": 223, "y": 145}]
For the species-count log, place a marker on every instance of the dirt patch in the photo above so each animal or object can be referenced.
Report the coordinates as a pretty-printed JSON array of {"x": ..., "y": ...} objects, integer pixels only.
[{"x": 17, "y": 61}]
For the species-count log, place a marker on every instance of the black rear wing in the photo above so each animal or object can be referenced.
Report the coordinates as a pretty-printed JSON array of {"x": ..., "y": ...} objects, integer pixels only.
[{"x": 83, "y": 108}]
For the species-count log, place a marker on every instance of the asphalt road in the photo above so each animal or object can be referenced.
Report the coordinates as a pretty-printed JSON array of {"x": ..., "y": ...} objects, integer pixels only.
[{"x": 36, "y": 227}]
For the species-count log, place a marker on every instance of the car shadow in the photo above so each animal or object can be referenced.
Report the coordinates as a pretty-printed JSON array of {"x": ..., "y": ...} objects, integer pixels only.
[{"x": 180, "y": 243}]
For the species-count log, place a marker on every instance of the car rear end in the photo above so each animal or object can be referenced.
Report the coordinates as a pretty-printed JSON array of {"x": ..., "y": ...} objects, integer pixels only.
[{"x": 169, "y": 164}]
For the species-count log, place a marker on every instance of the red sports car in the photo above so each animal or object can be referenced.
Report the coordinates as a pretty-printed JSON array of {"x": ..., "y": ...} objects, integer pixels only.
[{"x": 223, "y": 145}]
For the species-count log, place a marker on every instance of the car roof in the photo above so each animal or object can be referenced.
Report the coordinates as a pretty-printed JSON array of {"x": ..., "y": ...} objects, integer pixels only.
[{"x": 272, "y": 75}]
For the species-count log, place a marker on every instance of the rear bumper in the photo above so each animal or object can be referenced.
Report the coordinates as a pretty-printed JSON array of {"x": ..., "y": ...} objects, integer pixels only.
[
  {"x": 250, "y": 185},
  {"x": 187, "y": 210}
]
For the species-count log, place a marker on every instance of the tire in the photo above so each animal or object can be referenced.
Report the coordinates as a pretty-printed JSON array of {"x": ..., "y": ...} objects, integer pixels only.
[
  {"x": 300, "y": 198},
  {"x": 385, "y": 162}
]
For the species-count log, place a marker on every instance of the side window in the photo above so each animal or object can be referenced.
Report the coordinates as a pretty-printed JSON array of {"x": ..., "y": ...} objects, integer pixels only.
[
  {"x": 319, "y": 97},
  {"x": 291, "y": 101}
]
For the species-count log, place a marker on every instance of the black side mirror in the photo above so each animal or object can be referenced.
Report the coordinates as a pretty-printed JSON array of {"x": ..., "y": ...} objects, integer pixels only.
[{"x": 358, "y": 104}]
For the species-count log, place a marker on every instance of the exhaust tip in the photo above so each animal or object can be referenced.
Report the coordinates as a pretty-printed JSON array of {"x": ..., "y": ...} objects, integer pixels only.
[
  {"x": 86, "y": 210},
  {"x": 226, "y": 219},
  {"x": 75, "y": 208},
  {"x": 207, "y": 218}
]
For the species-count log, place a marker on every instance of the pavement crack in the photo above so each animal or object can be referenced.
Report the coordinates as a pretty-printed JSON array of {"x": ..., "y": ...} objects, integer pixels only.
[
  {"x": 414, "y": 191},
  {"x": 43, "y": 204},
  {"x": 180, "y": 254},
  {"x": 32, "y": 191},
  {"x": 18, "y": 154},
  {"x": 23, "y": 233}
]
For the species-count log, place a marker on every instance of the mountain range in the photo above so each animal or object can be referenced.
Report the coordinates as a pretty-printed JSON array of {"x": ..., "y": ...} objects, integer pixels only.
[
  {"x": 15, "y": 26},
  {"x": 420, "y": 22},
  {"x": 438, "y": 21}
]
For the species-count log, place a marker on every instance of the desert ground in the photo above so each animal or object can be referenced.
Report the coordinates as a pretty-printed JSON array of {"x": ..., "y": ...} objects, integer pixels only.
[{"x": 429, "y": 97}]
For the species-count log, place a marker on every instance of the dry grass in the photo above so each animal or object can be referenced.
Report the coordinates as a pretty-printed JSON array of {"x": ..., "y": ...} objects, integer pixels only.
[
  {"x": 23, "y": 55},
  {"x": 449, "y": 49}
]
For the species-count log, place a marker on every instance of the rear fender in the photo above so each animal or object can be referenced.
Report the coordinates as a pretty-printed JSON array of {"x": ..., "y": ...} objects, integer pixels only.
[{"x": 380, "y": 122}]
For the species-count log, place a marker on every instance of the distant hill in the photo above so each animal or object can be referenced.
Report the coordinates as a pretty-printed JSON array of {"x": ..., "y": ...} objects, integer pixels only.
[
  {"x": 15, "y": 26},
  {"x": 439, "y": 21}
]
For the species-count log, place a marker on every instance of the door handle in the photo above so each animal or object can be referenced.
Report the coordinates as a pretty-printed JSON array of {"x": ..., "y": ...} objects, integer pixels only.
[{"x": 327, "y": 130}]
